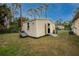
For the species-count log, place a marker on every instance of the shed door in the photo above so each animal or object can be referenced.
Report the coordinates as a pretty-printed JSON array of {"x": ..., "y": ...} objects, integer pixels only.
[{"x": 48, "y": 28}]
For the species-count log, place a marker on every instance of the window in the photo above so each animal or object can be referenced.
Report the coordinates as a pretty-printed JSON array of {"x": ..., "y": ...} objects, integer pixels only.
[
  {"x": 27, "y": 26},
  {"x": 48, "y": 24}
]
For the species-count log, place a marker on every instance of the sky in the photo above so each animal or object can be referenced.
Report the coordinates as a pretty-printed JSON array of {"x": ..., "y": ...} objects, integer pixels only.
[{"x": 65, "y": 11}]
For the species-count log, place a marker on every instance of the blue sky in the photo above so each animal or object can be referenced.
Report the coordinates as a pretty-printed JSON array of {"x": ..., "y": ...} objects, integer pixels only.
[{"x": 65, "y": 11}]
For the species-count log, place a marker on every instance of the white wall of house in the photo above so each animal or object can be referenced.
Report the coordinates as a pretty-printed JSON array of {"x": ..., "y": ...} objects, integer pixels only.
[{"x": 75, "y": 27}]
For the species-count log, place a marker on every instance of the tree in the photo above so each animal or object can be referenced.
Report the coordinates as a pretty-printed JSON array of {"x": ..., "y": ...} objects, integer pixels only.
[
  {"x": 77, "y": 10},
  {"x": 30, "y": 12},
  {"x": 45, "y": 7},
  {"x": 12, "y": 10},
  {"x": 5, "y": 15},
  {"x": 43, "y": 10},
  {"x": 39, "y": 11},
  {"x": 23, "y": 20},
  {"x": 19, "y": 6},
  {"x": 59, "y": 21},
  {"x": 36, "y": 12},
  {"x": 67, "y": 25},
  {"x": 33, "y": 12}
]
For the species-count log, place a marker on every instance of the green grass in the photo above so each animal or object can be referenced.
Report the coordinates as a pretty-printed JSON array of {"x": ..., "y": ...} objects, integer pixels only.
[{"x": 64, "y": 44}]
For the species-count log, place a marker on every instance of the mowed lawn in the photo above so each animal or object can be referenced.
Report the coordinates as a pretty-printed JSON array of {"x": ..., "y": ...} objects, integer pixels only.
[{"x": 64, "y": 44}]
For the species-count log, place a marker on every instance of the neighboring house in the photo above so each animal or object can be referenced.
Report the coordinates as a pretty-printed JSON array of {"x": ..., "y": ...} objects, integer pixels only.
[
  {"x": 38, "y": 27},
  {"x": 75, "y": 24},
  {"x": 61, "y": 27}
]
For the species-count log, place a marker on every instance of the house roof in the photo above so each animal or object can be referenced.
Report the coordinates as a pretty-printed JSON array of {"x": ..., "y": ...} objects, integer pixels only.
[
  {"x": 75, "y": 17},
  {"x": 39, "y": 19}
]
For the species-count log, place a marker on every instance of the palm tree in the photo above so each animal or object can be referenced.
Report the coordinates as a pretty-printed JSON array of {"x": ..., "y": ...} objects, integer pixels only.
[
  {"x": 36, "y": 12},
  {"x": 13, "y": 7},
  {"x": 12, "y": 11},
  {"x": 43, "y": 10},
  {"x": 33, "y": 12},
  {"x": 45, "y": 7},
  {"x": 30, "y": 12},
  {"x": 40, "y": 10},
  {"x": 19, "y": 6}
]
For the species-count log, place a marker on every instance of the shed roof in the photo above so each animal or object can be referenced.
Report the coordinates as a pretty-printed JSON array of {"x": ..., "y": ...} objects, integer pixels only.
[{"x": 40, "y": 19}]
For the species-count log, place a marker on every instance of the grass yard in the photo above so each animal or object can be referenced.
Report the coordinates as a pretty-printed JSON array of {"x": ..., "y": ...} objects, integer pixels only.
[{"x": 64, "y": 44}]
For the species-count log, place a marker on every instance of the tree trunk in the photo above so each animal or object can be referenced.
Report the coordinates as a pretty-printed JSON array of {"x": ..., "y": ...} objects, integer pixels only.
[{"x": 21, "y": 15}]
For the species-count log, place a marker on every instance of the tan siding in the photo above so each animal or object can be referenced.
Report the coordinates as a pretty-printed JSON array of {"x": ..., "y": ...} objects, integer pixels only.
[
  {"x": 41, "y": 27},
  {"x": 75, "y": 27},
  {"x": 37, "y": 28}
]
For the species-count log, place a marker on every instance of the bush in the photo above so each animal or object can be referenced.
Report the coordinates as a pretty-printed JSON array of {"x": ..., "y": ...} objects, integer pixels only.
[
  {"x": 13, "y": 29},
  {"x": 71, "y": 32}
]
